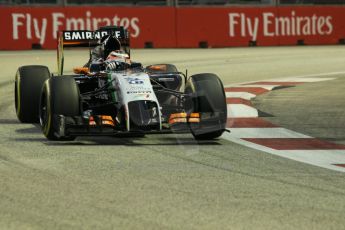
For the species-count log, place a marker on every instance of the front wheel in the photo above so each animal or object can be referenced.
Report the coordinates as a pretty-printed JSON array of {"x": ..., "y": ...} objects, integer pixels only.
[
  {"x": 59, "y": 96},
  {"x": 208, "y": 99},
  {"x": 28, "y": 83}
]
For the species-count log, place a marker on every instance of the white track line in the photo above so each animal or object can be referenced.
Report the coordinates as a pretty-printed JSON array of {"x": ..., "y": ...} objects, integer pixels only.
[
  {"x": 304, "y": 79},
  {"x": 322, "y": 158},
  {"x": 277, "y": 132},
  {"x": 243, "y": 95},
  {"x": 241, "y": 110},
  {"x": 315, "y": 75},
  {"x": 268, "y": 87}
]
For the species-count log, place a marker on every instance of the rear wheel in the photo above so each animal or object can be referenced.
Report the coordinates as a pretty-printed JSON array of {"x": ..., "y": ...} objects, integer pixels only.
[
  {"x": 210, "y": 101},
  {"x": 27, "y": 89},
  {"x": 60, "y": 96}
]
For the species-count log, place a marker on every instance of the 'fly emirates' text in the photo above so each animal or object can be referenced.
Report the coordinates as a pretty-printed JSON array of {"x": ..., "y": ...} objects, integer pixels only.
[
  {"x": 241, "y": 25},
  {"x": 25, "y": 25}
]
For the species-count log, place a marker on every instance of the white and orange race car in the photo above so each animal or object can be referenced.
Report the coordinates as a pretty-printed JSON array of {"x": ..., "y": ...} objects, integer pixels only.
[{"x": 115, "y": 96}]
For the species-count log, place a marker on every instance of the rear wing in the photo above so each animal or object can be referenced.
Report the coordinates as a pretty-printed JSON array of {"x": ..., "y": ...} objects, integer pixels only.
[{"x": 90, "y": 39}]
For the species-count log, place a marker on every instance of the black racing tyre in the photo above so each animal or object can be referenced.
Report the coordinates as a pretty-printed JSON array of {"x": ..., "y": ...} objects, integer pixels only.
[
  {"x": 60, "y": 96},
  {"x": 210, "y": 101},
  {"x": 164, "y": 68},
  {"x": 28, "y": 84}
]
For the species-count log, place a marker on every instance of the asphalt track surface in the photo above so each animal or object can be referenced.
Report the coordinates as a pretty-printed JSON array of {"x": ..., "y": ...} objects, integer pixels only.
[{"x": 172, "y": 181}]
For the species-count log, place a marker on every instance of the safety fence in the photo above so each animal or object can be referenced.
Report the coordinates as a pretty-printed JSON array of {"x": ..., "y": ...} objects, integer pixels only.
[{"x": 169, "y": 27}]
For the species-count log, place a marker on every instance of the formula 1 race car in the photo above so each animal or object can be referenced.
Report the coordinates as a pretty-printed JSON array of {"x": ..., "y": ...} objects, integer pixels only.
[{"x": 126, "y": 99}]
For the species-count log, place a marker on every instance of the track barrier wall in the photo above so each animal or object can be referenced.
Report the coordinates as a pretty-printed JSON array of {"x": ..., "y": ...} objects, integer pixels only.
[{"x": 168, "y": 27}]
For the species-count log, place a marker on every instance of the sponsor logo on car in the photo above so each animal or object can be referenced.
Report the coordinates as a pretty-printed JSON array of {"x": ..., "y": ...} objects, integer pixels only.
[
  {"x": 141, "y": 92},
  {"x": 135, "y": 81}
]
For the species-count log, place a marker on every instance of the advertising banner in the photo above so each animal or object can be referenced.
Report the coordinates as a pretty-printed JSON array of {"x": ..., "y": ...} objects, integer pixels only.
[
  {"x": 315, "y": 25},
  {"x": 23, "y": 26},
  {"x": 263, "y": 26},
  {"x": 168, "y": 27}
]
